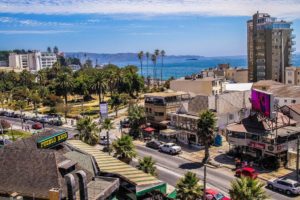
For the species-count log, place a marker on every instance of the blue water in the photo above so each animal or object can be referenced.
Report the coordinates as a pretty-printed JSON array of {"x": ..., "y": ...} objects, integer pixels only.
[{"x": 182, "y": 67}]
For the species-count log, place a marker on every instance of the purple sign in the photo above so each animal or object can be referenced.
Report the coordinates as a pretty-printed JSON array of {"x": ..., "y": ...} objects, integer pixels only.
[{"x": 262, "y": 102}]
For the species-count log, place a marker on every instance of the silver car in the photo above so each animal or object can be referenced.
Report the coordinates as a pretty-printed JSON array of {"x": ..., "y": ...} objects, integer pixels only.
[{"x": 285, "y": 185}]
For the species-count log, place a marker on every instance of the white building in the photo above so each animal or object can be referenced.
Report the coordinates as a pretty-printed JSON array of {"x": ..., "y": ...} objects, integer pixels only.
[{"x": 32, "y": 61}]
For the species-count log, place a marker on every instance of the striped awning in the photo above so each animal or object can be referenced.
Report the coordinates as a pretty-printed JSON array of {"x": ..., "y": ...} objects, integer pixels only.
[{"x": 110, "y": 164}]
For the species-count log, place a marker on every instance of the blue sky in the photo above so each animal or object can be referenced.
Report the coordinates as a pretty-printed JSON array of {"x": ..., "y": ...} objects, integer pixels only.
[{"x": 180, "y": 27}]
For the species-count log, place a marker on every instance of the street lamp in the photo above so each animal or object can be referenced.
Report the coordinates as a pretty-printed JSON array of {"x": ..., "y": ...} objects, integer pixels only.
[{"x": 204, "y": 183}]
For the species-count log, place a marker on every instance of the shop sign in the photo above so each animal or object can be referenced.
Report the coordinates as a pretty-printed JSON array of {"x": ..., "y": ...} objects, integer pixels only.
[
  {"x": 52, "y": 140},
  {"x": 257, "y": 145}
]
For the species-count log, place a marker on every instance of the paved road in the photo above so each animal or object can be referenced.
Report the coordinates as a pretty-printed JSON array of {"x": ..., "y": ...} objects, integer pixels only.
[{"x": 171, "y": 168}]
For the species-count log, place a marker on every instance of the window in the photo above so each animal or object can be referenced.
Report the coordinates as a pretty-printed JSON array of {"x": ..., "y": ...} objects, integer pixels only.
[
  {"x": 290, "y": 73},
  {"x": 285, "y": 101},
  {"x": 293, "y": 101},
  {"x": 231, "y": 116}
]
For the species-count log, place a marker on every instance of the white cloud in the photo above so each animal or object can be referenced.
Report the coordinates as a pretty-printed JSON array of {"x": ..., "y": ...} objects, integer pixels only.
[
  {"x": 29, "y": 22},
  {"x": 39, "y": 32},
  {"x": 280, "y": 8}
]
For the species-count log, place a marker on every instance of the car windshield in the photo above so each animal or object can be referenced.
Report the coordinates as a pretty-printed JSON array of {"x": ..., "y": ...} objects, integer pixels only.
[
  {"x": 172, "y": 145},
  {"x": 297, "y": 185},
  {"x": 219, "y": 196}
]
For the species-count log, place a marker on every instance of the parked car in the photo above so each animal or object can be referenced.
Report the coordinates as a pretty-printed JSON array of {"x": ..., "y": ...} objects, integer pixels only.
[
  {"x": 246, "y": 171},
  {"x": 212, "y": 194},
  {"x": 16, "y": 115},
  {"x": 125, "y": 123},
  {"x": 55, "y": 122},
  {"x": 8, "y": 114},
  {"x": 37, "y": 126},
  {"x": 170, "y": 148},
  {"x": 154, "y": 144},
  {"x": 103, "y": 140},
  {"x": 285, "y": 185}
]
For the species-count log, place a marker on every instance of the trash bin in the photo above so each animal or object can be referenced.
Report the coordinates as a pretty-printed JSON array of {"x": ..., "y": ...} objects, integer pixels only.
[{"x": 218, "y": 140}]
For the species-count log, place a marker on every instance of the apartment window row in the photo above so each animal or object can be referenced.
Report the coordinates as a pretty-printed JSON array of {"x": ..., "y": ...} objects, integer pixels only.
[
  {"x": 159, "y": 114},
  {"x": 293, "y": 101}
]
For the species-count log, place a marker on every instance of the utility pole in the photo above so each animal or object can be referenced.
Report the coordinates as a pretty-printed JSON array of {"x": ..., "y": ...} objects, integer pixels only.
[
  {"x": 107, "y": 137},
  {"x": 297, "y": 160},
  {"x": 204, "y": 183}
]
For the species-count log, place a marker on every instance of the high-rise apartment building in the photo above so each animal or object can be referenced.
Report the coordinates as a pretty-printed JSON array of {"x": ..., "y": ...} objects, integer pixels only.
[
  {"x": 270, "y": 46},
  {"x": 32, "y": 61}
]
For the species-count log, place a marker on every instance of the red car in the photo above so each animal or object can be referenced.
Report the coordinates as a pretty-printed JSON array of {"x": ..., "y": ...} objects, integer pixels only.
[
  {"x": 212, "y": 194},
  {"x": 246, "y": 171},
  {"x": 37, "y": 126}
]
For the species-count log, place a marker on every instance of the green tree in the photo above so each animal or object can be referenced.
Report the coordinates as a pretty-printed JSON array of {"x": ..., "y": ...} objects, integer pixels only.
[
  {"x": 163, "y": 54},
  {"x": 55, "y": 50},
  {"x": 247, "y": 189},
  {"x": 147, "y": 56},
  {"x": 116, "y": 102},
  {"x": 88, "y": 131},
  {"x": 20, "y": 105},
  {"x": 136, "y": 117},
  {"x": 99, "y": 84},
  {"x": 153, "y": 59},
  {"x": 188, "y": 187},
  {"x": 124, "y": 148},
  {"x": 35, "y": 99},
  {"x": 63, "y": 87},
  {"x": 140, "y": 57},
  {"x": 147, "y": 165},
  {"x": 156, "y": 53},
  {"x": 49, "y": 50},
  {"x": 205, "y": 131}
]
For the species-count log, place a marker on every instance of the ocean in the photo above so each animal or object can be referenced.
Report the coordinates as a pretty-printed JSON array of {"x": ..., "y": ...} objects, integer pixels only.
[{"x": 180, "y": 67}]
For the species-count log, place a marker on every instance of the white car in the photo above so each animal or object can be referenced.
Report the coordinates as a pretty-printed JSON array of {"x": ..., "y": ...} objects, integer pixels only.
[
  {"x": 170, "y": 148},
  {"x": 285, "y": 185},
  {"x": 103, "y": 140}
]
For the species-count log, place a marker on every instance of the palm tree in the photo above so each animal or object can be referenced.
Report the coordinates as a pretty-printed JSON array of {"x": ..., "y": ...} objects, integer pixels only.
[
  {"x": 156, "y": 53},
  {"x": 107, "y": 125},
  {"x": 147, "y": 56},
  {"x": 99, "y": 84},
  {"x": 136, "y": 117},
  {"x": 205, "y": 131},
  {"x": 188, "y": 187},
  {"x": 20, "y": 105},
  {"x": 153, "y": 58},
  {"x": 35, "y": 99},
  {"x": 247, "y": 189},
  {"x": 64, "y": 85},
  {"x": 124, "y": 148},
  {"x": 88, "y": 130},
  {"x": 115, "y": 102},
  {"x": 162, "y": 53},
  {"x": 147, "y": 165},
  {"x": 140, "y": 56}
]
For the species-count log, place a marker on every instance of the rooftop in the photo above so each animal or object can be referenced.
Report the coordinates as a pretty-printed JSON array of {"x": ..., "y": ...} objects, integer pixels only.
[
  {"x": 253, "y": 125},
  {"x": 289, "y": 91},
  {"x": 238, "y": 86},
  {"x": 32, "y": 172},
  {"x": 112, "y": 165},
  {"x": 263, "y": 83},
  {"x": 165, "y": 94}
]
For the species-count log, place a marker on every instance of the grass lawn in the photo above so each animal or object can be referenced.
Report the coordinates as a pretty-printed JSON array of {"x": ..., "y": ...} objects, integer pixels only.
[{"x": 15, "y": 134}]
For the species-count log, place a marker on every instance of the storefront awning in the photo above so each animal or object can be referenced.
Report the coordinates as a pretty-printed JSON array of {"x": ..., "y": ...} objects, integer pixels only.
[
  {"x": 149, "y": 129},
  {"x": 168, "y": 132}
]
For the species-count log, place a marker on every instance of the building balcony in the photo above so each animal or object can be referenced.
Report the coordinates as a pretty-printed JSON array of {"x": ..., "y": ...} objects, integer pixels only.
[
  {"x": 293, "y": 36},
  {"x": 292, "y": 49}
]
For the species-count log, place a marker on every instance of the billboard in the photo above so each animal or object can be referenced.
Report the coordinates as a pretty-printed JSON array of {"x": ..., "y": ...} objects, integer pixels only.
[
  {"x": 262, "y": 102},
  {"x": 52, "y": 140},
  {"x": 104, "y": 110}
]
